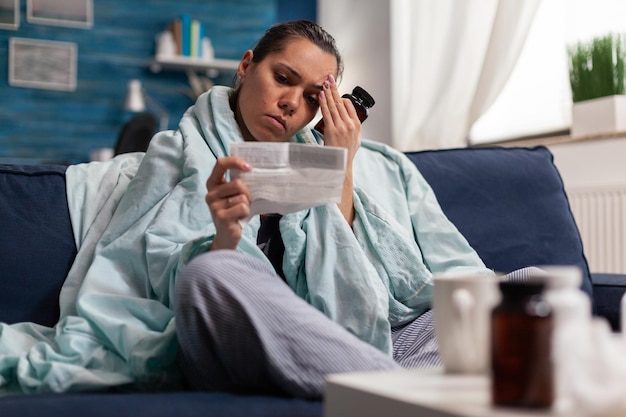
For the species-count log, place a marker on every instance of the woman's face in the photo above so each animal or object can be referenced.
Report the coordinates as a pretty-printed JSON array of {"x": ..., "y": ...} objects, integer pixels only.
[{"x": 279, "y": 95}]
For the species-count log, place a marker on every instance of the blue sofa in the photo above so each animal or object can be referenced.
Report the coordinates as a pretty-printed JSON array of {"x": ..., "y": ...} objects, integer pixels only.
[{"x": 508, "y": 202}]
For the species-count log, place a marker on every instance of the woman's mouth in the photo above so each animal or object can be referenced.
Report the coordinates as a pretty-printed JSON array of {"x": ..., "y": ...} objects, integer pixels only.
[{"x": 279, "y": 122}]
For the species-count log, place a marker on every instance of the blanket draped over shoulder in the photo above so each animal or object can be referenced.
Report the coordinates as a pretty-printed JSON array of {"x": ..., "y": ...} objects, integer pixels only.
[{"x": 138, "y": 219}]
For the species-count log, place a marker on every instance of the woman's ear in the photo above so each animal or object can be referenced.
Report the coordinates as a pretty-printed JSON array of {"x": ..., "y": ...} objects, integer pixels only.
[{"x": 245, "y": 63}]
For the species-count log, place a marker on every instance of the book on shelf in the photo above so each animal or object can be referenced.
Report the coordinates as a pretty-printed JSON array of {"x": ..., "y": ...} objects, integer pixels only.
[
  {"x": 189, "y": 37},
  {"x": 175, "y": 28}
]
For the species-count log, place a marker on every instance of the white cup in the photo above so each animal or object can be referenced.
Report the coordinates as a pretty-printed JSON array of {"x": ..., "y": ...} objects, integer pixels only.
[{"x": 462, "y": 304}]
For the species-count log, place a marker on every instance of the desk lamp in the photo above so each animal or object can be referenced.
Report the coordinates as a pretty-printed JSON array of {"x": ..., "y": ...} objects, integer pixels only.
[{"x": 136, "y": 99}]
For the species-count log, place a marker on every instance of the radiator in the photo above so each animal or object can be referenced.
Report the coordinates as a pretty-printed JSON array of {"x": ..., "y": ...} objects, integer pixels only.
[{"x": 600, "y": 214}]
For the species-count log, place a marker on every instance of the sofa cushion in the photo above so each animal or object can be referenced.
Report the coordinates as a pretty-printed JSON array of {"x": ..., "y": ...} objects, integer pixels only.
[
  {"x": 38, "y": 244},
  {"x": 608, "y": 290},
  {"x": 509, "y": 203}
]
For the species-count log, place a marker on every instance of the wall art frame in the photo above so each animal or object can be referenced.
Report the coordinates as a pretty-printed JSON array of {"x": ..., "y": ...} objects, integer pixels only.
[
  {"x": 10, "y": 14},
  {"x": 69, "y": 13},
  {"x": 43, "y": 64}
]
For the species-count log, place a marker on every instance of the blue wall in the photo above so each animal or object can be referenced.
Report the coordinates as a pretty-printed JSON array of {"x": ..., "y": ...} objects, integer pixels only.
[
  {"x": 65, "y": 126},
  {"x": 296, "y": 9}
]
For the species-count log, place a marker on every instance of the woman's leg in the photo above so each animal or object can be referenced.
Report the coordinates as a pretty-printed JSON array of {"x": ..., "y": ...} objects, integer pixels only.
[
  {"x": 240, "y": 327},
  {"x": 415, "y": 345}
]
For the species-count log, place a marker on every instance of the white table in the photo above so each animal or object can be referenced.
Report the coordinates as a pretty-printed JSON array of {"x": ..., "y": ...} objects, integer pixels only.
[{"x": 417, "y": 393}]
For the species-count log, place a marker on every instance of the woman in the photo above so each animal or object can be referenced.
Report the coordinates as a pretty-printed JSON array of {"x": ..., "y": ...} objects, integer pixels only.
[
  {"x": 240, "y": 327},
  {"x": 162, "y": 281}
]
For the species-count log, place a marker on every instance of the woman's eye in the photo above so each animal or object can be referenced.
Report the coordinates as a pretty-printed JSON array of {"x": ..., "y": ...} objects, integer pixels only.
[
  {"x": 313, "y": 100},
  {"x": 280, "y": 78}
]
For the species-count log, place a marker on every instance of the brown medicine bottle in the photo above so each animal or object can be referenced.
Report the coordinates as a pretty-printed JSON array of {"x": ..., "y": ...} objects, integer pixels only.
[
  {"x": 362, "y": 102},
  {"x": 521, "y": 346}
]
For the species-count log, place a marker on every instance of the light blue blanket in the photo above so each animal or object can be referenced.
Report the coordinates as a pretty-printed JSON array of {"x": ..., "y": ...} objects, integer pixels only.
[{"x": 138, "y": 219}]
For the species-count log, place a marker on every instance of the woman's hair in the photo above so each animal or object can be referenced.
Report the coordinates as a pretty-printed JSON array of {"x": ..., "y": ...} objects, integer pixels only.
[{"x": 276, "y": 37}]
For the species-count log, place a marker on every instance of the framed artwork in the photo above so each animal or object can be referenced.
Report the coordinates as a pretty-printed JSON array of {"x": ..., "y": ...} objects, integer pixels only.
[
  {"x": 9, "y": 14},
  {"x": 71, "y": 13},
  {"x": 49, "y": 65}
]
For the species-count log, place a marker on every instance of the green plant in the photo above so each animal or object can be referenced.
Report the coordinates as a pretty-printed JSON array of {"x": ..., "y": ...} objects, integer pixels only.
[{"x": 597, "y": 67}]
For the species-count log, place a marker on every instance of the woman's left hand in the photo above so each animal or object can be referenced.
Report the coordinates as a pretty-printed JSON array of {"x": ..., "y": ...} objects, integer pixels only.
[{"x": 342, "y": 126}]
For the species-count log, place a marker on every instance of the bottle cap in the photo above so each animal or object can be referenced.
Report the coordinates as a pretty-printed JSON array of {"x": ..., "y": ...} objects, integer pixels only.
[
  {"x": 363, "y": 96},
  {"x": 522, "y": 288}
]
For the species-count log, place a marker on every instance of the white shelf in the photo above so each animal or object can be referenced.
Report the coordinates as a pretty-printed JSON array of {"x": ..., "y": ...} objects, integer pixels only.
[{"x": 182, "y": 63}]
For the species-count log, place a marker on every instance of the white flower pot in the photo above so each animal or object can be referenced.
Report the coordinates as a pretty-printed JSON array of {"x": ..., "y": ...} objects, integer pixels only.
[{"x": 599, "y": 115}]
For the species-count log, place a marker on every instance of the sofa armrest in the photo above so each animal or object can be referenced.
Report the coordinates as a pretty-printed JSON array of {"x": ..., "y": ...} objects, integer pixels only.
[
  {"x": 38, "y": 246},
  {"x": 608, "y": 290}
]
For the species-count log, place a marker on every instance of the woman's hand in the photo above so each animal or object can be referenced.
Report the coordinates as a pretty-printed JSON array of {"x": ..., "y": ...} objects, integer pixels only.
[
  {"x": 342, "y": 128},
  {"x": 228, "y": 201}
]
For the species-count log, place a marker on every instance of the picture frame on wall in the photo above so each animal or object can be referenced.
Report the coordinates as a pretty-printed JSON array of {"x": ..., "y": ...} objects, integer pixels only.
[
  {"x": 9, "y": 14},
  {"x": 44, "y": 64},
  {"x": 70, "y": 13}
]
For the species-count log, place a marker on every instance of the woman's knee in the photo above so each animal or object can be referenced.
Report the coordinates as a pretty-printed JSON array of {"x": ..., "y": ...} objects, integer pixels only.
[
  {"x": 218, "y": 270},
  {"x": 203, "y": 289}
]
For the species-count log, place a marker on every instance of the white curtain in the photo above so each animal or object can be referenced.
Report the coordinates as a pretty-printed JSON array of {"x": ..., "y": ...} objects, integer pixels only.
[{"x": 449, "y": 61}]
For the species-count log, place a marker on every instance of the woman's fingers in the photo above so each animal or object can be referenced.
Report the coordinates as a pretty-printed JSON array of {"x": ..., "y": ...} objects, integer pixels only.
[
  {"x": 230, "y": 209},
  {"x": 234, "y": 200},
  {"x": 224, "y": 164},
  {"x": 335, "y": 109},
  {"x": 337, "y": 101},
  {"x": 228, "y": 201},
  {"x": 229, "y": 189},
  {"x": 342, "y": 126},
  {"x": 220, "y": 189}
]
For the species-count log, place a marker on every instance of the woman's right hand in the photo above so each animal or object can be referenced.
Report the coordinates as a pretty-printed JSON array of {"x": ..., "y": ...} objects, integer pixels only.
[{"x": 228, "y": 201}]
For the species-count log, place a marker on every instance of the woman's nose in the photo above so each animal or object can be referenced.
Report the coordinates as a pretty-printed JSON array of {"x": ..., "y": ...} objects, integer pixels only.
[{"x": 289, "y": 101}]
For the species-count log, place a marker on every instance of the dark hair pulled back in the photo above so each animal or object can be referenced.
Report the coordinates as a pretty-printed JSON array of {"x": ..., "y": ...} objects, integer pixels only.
[{"x": 276, "y": 37}]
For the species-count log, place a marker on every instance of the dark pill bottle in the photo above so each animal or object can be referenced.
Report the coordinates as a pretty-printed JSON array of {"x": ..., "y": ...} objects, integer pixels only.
[
  {"x": 521, "y": 346},
  {"x": 362, "y": 102}
]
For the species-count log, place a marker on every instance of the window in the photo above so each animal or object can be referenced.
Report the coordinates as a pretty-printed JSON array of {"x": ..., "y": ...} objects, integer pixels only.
[{"x": 537, "y": 98}]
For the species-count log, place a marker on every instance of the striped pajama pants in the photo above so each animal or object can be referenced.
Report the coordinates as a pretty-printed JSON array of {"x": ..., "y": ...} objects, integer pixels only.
[{"x": 241, "y": 328}]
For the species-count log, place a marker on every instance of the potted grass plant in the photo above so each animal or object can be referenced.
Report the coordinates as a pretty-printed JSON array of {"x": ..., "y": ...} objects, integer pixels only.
[{"x": 597, "y": 82}]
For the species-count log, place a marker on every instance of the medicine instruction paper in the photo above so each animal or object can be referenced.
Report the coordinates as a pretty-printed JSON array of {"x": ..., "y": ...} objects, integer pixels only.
[{"x": 288, "y": 177}]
